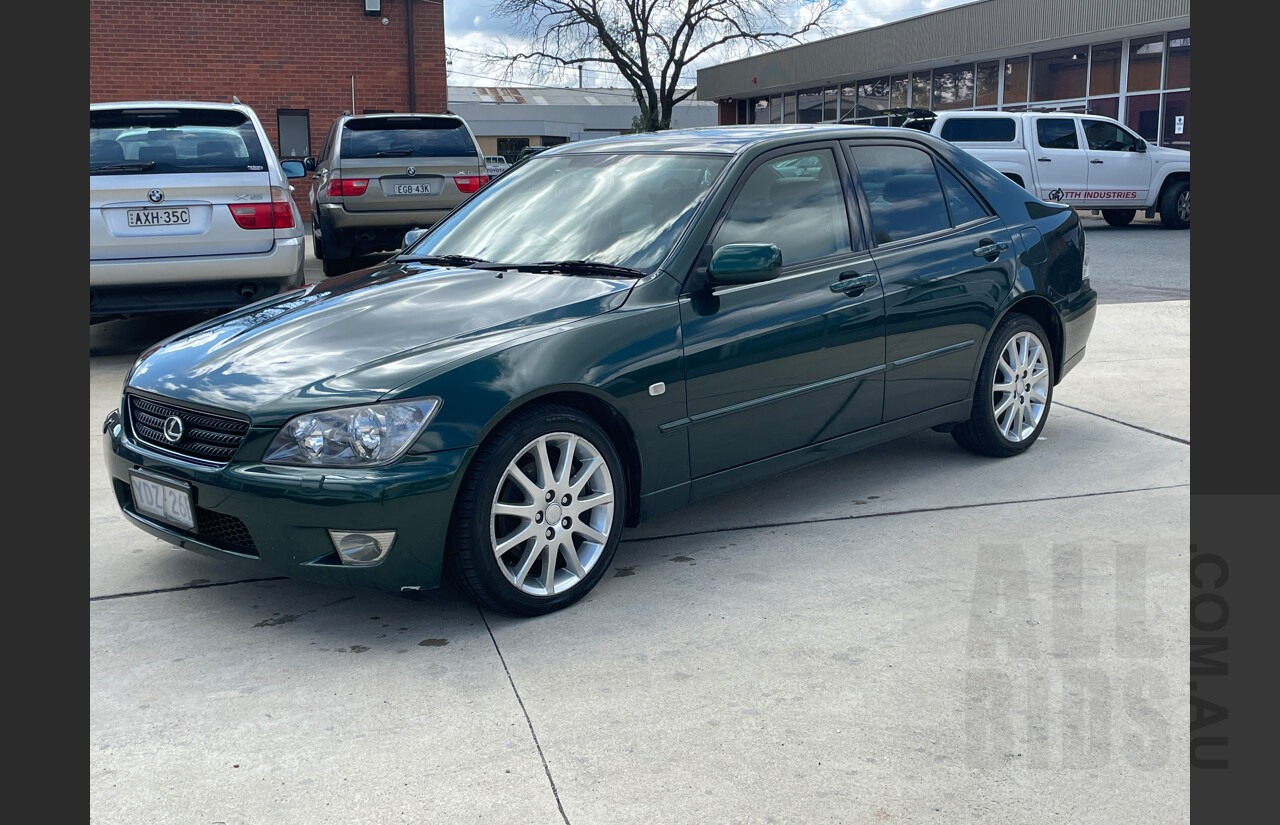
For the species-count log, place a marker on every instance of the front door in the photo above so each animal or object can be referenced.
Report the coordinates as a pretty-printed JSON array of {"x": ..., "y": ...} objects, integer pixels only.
[
  {"x": 1119, "y": 167},
  {"x": 779, "y": 365}
]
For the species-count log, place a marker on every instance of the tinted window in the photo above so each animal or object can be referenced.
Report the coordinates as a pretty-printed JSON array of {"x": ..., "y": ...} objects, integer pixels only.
[
  {"x": 145, "y": 141},
  {"x": 394, "y": 137},
  {"x": 990, "y": 129},
  {"x": 1057, "y": 133},
  {"x": 908, "y": 201},
  {"x": 793, "y": 202},
  {"x": 962, "y": 203},
  {"x": 1104, "y": 136}
]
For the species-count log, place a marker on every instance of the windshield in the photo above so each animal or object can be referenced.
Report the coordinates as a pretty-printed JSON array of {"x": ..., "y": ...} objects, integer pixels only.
[{"x": 625, "y": 210}]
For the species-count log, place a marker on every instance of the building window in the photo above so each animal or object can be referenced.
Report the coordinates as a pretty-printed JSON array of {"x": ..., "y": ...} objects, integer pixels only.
[
  {"x": 1143, "y": 115},
  {"x": 1059, "y": 74},
  {"x": 1105, "y": 106},
  {"x": 830, "y": 104},
  {"x": 759, "y": 110},
  {"x": 1104, "y": 70},
  {"x": 900, "y": 92},
  {"x": 921, "y": 88},
  {"x": 953, "y": 88},
  {"x": 294, "y": 128},
  {"x": 986, "y": 84},
  {"x": 789, "y": 108},
  {"x": 509, "y": 148},
  {"x": 1146, "y": 56},
  {"x": 848, "y": 103},
  {"x": 809, "y": 107},
  {"x": 1177, "y": 73},
  {"x": 873, "y": 97},
  {"x": 775, "y": 109},
  {"x": 1176, "y": 120},
  {"x": 1015, "y": 80}
]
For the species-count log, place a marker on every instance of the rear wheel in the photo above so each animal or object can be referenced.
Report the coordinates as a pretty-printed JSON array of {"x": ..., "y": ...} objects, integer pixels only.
[
  {"x": 1175, "y": 206},
  {"x": 1014, "y": 391},
  {"x": 539, "y": 514},
  {"x": 1119, "y": 217}
]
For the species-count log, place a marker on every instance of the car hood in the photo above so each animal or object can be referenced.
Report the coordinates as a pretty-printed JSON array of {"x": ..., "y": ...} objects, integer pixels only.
[
  {"x": 1164, "y": 154},
  {"x": 353, "y": 339}
]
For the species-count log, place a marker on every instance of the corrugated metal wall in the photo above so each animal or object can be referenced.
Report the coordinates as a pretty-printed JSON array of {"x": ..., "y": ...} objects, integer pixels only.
[{"x": 966, "y": 31}]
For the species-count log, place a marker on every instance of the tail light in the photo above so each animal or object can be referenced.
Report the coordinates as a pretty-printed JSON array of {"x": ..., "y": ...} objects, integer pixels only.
[
  {"x": 347, "y": 187},
  {"x": 470, "y": 183},
  {"x": 274, "y": 215}
]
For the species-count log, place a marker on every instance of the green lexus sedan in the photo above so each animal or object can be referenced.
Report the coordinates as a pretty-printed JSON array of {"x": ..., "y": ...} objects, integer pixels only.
[{"x": 613, "y": 329}]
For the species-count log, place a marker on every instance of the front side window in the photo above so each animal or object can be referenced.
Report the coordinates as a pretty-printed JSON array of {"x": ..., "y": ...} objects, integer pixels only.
[
  {"x": 903, "y": 192},
  {"x": 1103, "y": 136},
  {"x": 794, "y": 202},
  {"x": 621, "y": 209},
  {"x": 1057, "y": 133}
]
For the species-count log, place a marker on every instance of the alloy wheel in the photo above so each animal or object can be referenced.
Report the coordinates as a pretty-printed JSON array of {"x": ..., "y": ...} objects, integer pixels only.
[{"x": 1020, "y": 387}]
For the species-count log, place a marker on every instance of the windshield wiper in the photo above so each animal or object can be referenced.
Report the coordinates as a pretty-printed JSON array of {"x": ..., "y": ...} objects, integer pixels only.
[
  {"x": 131, "y": 166},
  {"x": 446, "y": 260},
  {"x": 395, "y": 154},
  {"x": 574, "y": 268}
]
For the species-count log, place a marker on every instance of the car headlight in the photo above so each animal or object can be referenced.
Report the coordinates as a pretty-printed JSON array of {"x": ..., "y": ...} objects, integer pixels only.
[{"x": 353, "y": 436}]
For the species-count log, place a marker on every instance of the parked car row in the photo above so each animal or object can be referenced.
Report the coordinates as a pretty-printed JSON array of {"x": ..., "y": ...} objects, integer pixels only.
[{"x": 608, "y": 330}]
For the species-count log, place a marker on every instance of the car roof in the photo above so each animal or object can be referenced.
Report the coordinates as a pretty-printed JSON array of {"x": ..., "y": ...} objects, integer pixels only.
[
  {"x": 726, "y": 139},
  {"x": 168, "y": 104}
]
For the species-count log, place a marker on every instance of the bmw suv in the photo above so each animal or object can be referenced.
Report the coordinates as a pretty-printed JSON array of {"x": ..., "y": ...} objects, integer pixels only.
[
  {"x": 189, "y": 209},
  {"x": 378, "y": 176}
]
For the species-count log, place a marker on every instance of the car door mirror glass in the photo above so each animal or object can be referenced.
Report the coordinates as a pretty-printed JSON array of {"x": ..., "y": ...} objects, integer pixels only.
[
  {"x": 309, "y": 164},
  {"x": 745, "y": 263},
  {"x": 293, "y": 169}
]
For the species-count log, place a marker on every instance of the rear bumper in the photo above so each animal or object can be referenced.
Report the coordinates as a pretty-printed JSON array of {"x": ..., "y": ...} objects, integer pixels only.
[
  {"x": 191, "y": 283},
  {"x": 1077, "y": 323},
  {"x": 401, "y": 221}
]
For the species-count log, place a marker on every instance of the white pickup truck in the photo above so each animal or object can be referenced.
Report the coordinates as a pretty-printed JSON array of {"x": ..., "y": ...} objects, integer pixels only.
[{"x": 1086, "y": 161}]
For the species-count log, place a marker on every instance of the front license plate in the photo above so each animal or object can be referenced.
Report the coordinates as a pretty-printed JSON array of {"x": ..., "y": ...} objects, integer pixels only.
[
  {"x": 169, "y": 501},
  {"x": 411, "y": 189},
  {"x": 159, "y": 217}
]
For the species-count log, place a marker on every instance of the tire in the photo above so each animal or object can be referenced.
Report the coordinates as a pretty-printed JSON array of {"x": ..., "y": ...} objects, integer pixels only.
[
  {"x": 317, "y": 250},
  {"x": 502, "y": 505},
  {"x": 335, "y": 266},
  {"x": 1175, "y": 206},
  {"x": 1007, "y": 418},
  {"x": 1119, "y": 217}
]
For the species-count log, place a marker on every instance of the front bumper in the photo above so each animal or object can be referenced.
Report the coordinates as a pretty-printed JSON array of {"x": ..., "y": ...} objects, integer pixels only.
[{"x": 275, "y": 520}]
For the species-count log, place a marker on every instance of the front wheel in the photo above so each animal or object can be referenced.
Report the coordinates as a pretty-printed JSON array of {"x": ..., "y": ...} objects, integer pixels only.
[
  {"x": 1014, "y": 391},
  {"x": 539, "y": 515},
  {"x": 1119, "y": 217},
  {"x": 1175, "y": 206}
]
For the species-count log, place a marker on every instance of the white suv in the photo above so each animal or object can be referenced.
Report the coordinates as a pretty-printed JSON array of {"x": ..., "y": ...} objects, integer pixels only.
[{"x": 189, "y": 209}]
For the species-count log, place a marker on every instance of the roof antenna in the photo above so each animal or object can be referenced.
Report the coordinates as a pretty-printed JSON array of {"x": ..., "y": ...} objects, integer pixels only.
[{"x": 235, "y": 99}]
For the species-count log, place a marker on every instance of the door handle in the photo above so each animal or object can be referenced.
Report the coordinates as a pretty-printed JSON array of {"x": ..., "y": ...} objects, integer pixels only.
[
  {"x": 1097, "y": 161},
  {"x": 990, "y": 250},
  {"x": 857, "y": 283},
  {"x": 1045, "y": 160}
]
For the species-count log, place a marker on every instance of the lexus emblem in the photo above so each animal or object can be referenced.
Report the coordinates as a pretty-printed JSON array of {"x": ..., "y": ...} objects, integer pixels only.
[
  {"x": 173, "y": 429},
  {"x": 411, "y": 171},
  {"x": 155, "y": 195}
]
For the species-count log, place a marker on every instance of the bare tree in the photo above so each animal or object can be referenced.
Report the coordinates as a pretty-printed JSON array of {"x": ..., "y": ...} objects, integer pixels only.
[{"x": 651, "y": 42}]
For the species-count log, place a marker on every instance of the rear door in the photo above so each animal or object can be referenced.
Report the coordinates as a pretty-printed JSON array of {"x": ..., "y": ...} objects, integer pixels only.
[
  {"x": 1057, "y": 152},
  {"x": 409, "y": 162},
  {"x": 163, "y": 182}
]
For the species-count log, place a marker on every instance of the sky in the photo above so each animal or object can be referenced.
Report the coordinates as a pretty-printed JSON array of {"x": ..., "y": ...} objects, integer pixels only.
[{"x": 471, "y": 33}]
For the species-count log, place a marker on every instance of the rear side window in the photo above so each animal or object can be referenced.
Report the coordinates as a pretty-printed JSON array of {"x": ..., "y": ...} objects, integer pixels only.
[
  {"x": 403, "y": 137},
  {"x": 909, "y": 201},
  {"x": 1057, "y": 133},
  {"x": 979, "y": 129},
  {"x": 169, "y": 140}
]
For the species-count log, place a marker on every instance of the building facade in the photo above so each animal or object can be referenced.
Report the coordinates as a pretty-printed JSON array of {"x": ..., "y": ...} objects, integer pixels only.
[
  {"x": 298, "y": 63},
  {"x": 506, "y": 119},
  {"x": 1126, "y": 59}
]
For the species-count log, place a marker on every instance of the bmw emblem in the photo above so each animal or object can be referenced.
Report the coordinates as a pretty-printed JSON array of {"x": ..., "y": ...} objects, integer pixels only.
[
  {"x": 155, "y": 195},
  {"x": 412, "y": 171},
  {"x": 173, "y": 429}
]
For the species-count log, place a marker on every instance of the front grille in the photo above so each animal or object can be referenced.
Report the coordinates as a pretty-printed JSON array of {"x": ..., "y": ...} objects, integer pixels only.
[
  {"x": 206, "y": 437},
  {"x": 215, "y": 529}
]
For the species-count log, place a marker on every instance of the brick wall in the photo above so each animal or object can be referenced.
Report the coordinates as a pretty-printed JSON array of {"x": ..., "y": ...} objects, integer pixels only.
[{"x": 288, "y": 54}]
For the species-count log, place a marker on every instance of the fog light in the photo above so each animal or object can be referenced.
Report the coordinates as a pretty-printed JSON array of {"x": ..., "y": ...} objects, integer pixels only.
[{"x": 362, "y": 548}]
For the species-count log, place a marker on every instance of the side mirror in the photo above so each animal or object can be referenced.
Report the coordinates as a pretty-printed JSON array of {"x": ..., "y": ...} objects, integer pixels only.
[
  {"x": 1142, "y": 146},
  {"x": 745, "y": 263},
  {"x": 411, "y": 237},
  {"x": 293, "y": 169},
  {"x": 309, "y": 164}
]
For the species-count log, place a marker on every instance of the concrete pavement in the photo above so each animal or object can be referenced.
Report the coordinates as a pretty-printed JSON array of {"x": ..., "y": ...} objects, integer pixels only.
[{"x": 907, "y": 635}]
